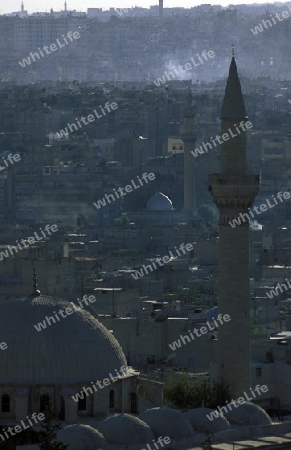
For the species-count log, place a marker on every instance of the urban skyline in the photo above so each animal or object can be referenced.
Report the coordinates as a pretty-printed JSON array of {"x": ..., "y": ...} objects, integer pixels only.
[{"x": 33, "y": 6}]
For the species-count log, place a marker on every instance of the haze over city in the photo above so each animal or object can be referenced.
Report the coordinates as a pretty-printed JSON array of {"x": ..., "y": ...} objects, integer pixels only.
[{"x": 58, "y": 5}]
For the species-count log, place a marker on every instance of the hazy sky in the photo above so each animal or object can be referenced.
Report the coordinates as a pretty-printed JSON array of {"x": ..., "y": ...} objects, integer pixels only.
[{"x": 45, "y": 5}]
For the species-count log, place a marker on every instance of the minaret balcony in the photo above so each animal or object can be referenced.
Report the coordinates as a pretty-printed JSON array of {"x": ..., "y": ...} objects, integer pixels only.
[{"x": 234, "y": 192}]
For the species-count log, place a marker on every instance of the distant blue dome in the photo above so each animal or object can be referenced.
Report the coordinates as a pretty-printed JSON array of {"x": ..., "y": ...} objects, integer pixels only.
[{"x": 159, "y": 202}]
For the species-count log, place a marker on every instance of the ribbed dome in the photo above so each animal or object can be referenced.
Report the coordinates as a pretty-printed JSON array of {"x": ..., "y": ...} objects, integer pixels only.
[
  {"x": 82, "y": 437},
  {"x": 200, "y": 422},
  {"x": 167, "y": 422},
  {"x": 125, "y": 429},
  {"x": 77, "y": 348},
  {"x": 159, "y": 202},
  {"x": 248, "y": 414}
]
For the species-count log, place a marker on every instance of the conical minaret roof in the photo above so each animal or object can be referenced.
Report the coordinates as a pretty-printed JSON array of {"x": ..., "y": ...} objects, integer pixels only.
[{"x": 233, "y": 106}]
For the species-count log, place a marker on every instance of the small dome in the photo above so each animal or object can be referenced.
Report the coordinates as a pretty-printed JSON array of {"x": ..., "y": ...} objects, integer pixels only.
[
  {"x": 75, "y": 348},
  {"x": 248, "y": 414},
  {"x": 159, "y": 202},
  {"x": 167, "y": 422},
  {"x": 82, "y": 437},
  {"x": 125, "y": 429},
  {"x": 200, "y": 422}
]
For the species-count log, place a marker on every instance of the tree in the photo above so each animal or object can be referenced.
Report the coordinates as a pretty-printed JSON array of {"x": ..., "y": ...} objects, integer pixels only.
[
  {"x": 181, "y": 392},
  {"x": 47, "y": 437},
  {"x": 122, "y": 221}
]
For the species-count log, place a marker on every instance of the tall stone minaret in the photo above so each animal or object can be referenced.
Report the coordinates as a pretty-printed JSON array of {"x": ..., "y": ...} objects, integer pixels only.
[
  {"x": 233, "y": 191},
  {"x": 189, "y": 136}
]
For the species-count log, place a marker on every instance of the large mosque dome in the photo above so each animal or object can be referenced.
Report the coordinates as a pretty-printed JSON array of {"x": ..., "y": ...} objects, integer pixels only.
[
  {"x": 159, "y": 202},
  {"x": 77, "y": 348}
]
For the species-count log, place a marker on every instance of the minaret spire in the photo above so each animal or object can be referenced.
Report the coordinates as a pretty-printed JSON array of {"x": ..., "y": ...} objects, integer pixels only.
[
  {"x": 233, "y": 113},
  {"x": 233, "y": 106}
]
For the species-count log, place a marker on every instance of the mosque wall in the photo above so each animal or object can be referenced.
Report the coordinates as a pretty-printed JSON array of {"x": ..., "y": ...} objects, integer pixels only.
[{"x": 141, "y": 340}]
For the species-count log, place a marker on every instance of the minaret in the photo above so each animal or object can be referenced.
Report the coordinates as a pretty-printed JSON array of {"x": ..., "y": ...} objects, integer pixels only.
[
  {"x": 65, "y": 6},
  {"x": 22, "y": 7},
  {"x": 233, "y": 191},
  {"x": 189, "y": 138},
  {"x": 161, "y": 8}
]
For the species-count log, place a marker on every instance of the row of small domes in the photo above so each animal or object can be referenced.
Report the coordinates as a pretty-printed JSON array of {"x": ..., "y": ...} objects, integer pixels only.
[{"x": 126, "y": 429}]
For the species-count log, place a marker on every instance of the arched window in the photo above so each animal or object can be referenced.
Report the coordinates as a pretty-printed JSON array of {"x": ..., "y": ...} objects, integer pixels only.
[
  {"x": 44, "y": 402},
  {"x": 5, "y": 403},
  {"x": 111, "y": 398},
  {"x": 82, "y": 404}
]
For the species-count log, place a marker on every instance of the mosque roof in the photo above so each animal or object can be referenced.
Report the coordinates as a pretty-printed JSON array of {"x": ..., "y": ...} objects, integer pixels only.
[
  {"x": 200, "y": 422},
  {"x": 167, "y": 422},
  {"x": 248, "y": 414},
  {"x": 77, "y": 348},
  {"x": 159, "y": 202},
  {"x": 125, "y": 429},
  {"x": 82, "y": 437}
]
